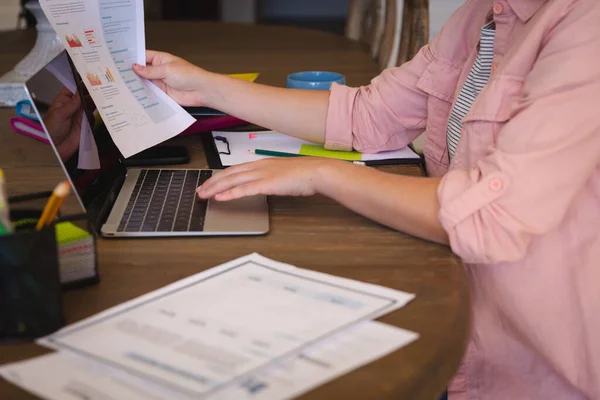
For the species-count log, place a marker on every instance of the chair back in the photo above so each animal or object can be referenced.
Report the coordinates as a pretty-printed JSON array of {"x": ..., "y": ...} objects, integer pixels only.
[
  {"x": 393, "y": 30},
  {"x": 393, "y": 33},
  {"x": 366, "y": 23}
]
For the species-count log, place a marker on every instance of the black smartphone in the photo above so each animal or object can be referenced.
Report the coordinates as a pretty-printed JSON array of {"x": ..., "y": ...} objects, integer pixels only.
[
  {"x": 203, "y": 112},
  {"x": 159, "y": 155}
]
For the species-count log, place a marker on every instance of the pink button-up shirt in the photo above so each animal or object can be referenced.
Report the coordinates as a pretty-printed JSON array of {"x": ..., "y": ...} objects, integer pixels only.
[{"x": 521, "y": 198}]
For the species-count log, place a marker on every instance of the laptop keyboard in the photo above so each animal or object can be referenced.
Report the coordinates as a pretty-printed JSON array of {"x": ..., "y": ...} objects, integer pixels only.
[{"x": 166, "y": 201}]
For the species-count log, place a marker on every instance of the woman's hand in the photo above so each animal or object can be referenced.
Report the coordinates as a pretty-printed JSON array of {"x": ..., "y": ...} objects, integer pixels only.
[
  {"x": 63, "y": 121},
  {"x": 408, "y": 204},
  {"x": 299, "y": 113},
  {"x": 280, "y": 177},
  {"x": 173, "y": 75}
]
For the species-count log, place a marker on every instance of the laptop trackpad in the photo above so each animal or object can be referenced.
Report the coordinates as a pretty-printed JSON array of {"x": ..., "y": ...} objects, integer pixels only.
[{"x": 248, "y": 215}]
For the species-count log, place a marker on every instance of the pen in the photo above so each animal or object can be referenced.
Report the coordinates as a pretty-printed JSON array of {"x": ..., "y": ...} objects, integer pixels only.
[
  {"x": 5, "y": 225},
  {"x": 261, "y": 152},
  {"x": 56, "y": 200}
]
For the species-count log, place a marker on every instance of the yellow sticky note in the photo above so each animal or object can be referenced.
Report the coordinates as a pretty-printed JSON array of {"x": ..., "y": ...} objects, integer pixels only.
[
  {"x": 66, "y": 232},
  {"x": 250, "y": 77},
  {"x": 319, "y": 151}
]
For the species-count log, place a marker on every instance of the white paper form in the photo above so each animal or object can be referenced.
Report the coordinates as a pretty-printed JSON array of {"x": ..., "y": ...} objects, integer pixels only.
[
  {"x": 104, "y": 38},
  {"x": 321, "y": 363},
  {"x": 240, "y": 146},
  {"x": 58, "y": 376},
  {"x": 61, "y": 376},
  {"x": 211, "y": 330}
]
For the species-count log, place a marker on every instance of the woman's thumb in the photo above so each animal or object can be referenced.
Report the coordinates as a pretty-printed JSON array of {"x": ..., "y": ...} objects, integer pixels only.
[{"x": 150, "y": 71}]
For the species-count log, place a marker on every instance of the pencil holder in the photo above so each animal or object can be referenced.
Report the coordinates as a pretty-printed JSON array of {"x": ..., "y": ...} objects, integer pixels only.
[
  {"x": 30, "y": 289},
  {"x": 37, "y": 266},
  {"x": 75, "y": 240}
]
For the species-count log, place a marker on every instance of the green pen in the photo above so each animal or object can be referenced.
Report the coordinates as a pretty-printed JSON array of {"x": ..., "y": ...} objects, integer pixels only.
[{"x": 261, "y": 152}]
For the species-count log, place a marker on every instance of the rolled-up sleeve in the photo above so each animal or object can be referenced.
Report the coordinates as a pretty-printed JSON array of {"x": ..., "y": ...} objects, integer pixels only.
[
  {"x": 390, "y": 112},
  {"x": 544, "y": 156},
  {"x": 385, "y": 115}
]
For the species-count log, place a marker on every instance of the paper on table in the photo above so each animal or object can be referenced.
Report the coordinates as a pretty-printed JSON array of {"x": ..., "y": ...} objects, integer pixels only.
[
  {"x": 240, "y": 145},
  {"x": 104, "y": 38},
  {"x": 60, "y": 376},
  {"x": 173, "y": 335},
  {"x": 321, "y": 363}
]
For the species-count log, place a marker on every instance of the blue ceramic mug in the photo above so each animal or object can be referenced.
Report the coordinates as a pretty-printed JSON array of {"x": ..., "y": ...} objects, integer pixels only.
[{"x": 314, "y": 80}]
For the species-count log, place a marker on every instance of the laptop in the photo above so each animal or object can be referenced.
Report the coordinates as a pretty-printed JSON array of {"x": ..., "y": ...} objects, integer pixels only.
[{"x": 130, "y": 202}]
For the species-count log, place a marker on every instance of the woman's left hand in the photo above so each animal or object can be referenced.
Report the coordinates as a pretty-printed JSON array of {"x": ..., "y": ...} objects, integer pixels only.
[{"x": 280, "y": 177}]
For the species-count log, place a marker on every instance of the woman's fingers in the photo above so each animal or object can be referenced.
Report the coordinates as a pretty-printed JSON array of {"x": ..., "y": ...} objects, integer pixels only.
[
  {"x": 248, "y": 189},
  {"x": 226, "y": 183},
  {"x": 160, "y": 84},
  {"x": 158, "y": 57},
  {"x": 151, "y": 72},
  {"x": 151, "y": 55},
  {"x": 227, "y": 172}
]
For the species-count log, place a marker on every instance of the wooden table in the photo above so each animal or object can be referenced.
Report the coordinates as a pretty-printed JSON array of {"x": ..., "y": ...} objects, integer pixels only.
[{"x": 313, "y": 233}]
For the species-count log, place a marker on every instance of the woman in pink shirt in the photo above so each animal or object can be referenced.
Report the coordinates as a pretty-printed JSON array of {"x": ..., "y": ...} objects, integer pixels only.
[{"x": 509, "y": 95}]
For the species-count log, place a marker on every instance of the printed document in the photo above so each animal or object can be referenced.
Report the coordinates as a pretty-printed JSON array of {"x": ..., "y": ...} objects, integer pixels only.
[
  {"x": 242, "y": 145},
  {"x": 104, "y": 38},
  {"x": 221, "y": 326},
  {"x": 62, "y": 376}
]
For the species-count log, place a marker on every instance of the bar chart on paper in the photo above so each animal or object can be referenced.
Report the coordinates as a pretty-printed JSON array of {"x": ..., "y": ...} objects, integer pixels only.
[
  {"x": 93, "y": 79},
  {"x": 109, "y": 76},
  {"x": 73, "y": 41},
  {"x": 90, "y": 37}
]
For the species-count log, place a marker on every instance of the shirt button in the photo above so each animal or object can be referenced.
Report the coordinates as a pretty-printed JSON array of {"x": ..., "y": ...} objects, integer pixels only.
[
  {"x": 495, "y": 185},
  {"x": 498, "y": 8}
]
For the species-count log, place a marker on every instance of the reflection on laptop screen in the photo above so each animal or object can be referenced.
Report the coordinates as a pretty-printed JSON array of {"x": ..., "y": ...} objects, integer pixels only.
[{"x": 83, "y": 144}]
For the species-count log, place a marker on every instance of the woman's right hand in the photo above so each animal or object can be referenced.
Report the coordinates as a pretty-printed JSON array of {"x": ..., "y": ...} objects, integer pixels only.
[
  {"x": 173, "y": 75},
  {"x": 299, "y": 113}
]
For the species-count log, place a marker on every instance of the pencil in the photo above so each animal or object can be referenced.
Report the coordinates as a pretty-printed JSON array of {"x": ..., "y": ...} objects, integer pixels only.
[
  {"x": 261, "y": 152},
  {"x": 58, "y": 197}
]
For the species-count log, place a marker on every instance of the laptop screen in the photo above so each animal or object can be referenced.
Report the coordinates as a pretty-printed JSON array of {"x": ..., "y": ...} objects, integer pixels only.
[{"x": 72, "y": 125}]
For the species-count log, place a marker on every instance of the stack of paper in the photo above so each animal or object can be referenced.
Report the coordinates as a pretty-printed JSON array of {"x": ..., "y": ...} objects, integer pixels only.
[{"x": 250, "y": 328}]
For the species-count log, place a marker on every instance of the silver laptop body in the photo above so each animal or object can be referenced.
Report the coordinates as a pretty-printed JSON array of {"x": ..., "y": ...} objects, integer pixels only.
[{"x": 138, "y": 202}]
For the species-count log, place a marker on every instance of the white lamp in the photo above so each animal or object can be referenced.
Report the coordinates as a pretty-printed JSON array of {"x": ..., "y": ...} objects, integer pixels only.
[{"x": 47, "y": 46}]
